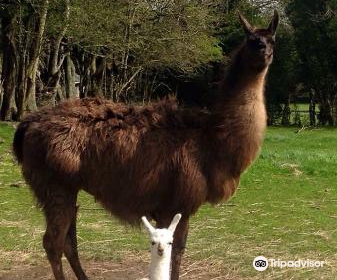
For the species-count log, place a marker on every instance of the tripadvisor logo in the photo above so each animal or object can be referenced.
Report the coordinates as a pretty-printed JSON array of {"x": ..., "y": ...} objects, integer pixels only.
[{"x": 260, "y": 263}]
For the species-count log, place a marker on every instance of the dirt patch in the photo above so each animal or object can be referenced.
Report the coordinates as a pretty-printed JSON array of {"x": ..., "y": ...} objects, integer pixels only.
[
  {"x": 294, "y": 168},
  {"x": 128, "y": 269},
  {"x": 94, "y": 270}
]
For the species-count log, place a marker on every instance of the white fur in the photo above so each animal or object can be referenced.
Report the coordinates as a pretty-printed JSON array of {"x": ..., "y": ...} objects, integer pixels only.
[{"x": 161, "y": 248}]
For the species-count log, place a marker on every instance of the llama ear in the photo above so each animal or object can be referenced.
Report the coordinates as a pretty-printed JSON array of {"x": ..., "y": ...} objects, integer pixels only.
[
  {"x": 147, "y": 225},
  {"x": 246, "y": 25},
  {"x": 174, "y": 222},
  {"x": 274, "y": 23}
]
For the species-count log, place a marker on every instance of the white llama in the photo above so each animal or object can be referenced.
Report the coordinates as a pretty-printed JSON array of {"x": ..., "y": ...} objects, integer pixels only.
[{"x": 161, "y": 248}]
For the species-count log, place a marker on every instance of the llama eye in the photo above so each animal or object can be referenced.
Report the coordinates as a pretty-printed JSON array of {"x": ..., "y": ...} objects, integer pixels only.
[
  {"x": 170, "y": 243},
  {"x": 272, "y": 42},
  {"x": 255, "y": 43},
  {"x": 252, "y": 38},
  {"x": 153, "y": 243}
]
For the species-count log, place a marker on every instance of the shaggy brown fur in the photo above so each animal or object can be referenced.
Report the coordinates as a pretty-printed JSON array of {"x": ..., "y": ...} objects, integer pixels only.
[{"x": 150, "y": 161}]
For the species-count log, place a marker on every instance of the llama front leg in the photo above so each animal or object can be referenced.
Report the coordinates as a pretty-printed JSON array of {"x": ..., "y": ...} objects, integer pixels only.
[{"x": 179, "y": 244}]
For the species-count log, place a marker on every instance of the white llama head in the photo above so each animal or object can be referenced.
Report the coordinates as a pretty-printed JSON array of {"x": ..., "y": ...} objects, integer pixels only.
[{"x": 161, "y": 238}]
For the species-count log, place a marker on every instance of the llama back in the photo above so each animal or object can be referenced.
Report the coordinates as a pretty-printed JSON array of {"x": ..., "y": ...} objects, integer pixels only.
[{"x": 63, "y": 131}]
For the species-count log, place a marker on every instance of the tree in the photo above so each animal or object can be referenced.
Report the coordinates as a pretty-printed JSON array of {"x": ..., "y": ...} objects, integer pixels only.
[
  {"x": 315, "y": 36},
  {"x": 283, "y": 77},
  {"x": 122, "y": 40},
  {"x": 22, "y": 26},
  {"x": 110, "y": 44}
]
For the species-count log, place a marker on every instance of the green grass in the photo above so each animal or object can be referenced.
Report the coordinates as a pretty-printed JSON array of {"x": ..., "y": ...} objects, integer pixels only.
[
  {"x": 300, "y": 106},
  {"x": 300, "y": 113},
  {"x": 285, "y": 208}
]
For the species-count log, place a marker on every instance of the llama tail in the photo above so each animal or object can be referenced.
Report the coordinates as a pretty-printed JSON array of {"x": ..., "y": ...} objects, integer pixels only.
[{"x": 19, "y": 137}]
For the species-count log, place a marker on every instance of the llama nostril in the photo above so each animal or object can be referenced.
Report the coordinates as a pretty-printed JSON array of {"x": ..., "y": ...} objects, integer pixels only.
[{"x": 160, "y": 251}]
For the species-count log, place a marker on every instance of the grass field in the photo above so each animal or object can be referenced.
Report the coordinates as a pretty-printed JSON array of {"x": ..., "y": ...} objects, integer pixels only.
[{"x": 285, "y": 208}]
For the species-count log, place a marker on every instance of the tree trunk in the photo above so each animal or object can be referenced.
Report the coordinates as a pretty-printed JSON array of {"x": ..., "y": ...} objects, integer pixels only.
[
  {"x": 85, "y": 72},
  {"x": 57, "y": 57},
  {"x": 9, "y": 68},
  {"x": 1, "y": 96},
  {"x": 98, "y": 76},
  {"x": 29, "y": 70},
  {"x": 335, "y": 109},
  {"x": 325, "y": 114},
  {"x": 312, "y": 108},
  {"x": 94, "y": 75},
  {"x": 286, "y": 113},
  {"x": 70, "y": 89}
]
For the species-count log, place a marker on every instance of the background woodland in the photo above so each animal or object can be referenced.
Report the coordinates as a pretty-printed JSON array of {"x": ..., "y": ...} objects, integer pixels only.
[{"x": 138, "y": 51}]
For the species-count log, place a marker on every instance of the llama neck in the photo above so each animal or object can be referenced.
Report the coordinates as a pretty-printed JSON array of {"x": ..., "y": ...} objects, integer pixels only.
[
  {"x": 243, "y": 84},
  {"x": 160, "y": 267},
  {"x": 242, "y": 97},
  {"x": 237, "y": 129}
]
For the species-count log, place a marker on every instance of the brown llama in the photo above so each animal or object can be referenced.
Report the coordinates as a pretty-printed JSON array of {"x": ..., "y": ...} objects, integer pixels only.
[{"x": 151, "y": 161}]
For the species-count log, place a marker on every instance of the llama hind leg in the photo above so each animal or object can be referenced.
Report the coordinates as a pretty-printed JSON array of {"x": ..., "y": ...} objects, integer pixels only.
[
  {"x": 53, "y": 243},
  {"x": 70, "y": 250},
  {"x": 179, "y": 244},
  {"x": 59, "y": 212}
]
